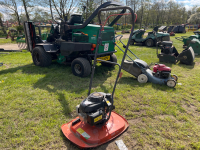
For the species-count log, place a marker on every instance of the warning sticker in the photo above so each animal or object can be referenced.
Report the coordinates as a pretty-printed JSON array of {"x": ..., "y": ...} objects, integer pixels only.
[
  {"x": 108, "y": 102},
  {"x": 106, "y": 46},
  {"x": 98, "y": 118},
  {"x": 83, "y": 133}
]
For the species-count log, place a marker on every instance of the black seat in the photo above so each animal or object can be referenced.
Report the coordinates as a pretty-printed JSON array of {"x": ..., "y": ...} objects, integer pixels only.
[
  {"x": 75, "y": 18},
  {"x": 166, "y": 43}
]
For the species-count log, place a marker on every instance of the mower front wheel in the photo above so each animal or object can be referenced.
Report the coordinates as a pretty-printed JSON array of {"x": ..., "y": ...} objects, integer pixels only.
[
  {"x": 142, "y": 78},
  {"x": 149, "y": 42},
  {"x": 113, "y": 58},
  {"x": 81, "y": 67},
  {"x": 171, "y": 83},
  {"x": 41, "y": 57}
]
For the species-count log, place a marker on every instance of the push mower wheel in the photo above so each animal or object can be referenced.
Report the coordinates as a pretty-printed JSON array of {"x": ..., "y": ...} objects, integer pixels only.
[
  {"x": 113, "y": 58},
  {"x": 171, "y": 83},
  {"x": 175, "y": 77},
  {"x": 81, "y": 67},
  {"x": 142, "y": 78},
  {"x": 149, "y": 42},
  {"x": 40, "y": 57},
  {"x": 132, "y": 42}
]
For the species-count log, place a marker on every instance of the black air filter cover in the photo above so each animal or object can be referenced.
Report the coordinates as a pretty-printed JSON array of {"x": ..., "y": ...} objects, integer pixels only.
[{"x": 187, "y": 56}]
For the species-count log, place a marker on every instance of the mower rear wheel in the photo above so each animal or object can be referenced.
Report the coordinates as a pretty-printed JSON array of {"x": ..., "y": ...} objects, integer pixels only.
[
  {"x": 171, "y": 83},
  {"x": 175, "y": 77},
  {"x": 149, "y": 43},
  {"x": 41, "y": 57},
  {"x": 113, "y": 58},
  {"x": 142, "y": 78},
  {"x": 81, "y": 67}
]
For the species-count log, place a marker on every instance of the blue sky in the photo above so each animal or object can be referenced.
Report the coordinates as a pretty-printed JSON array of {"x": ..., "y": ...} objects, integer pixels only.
[{"x": 189, "y": 3}]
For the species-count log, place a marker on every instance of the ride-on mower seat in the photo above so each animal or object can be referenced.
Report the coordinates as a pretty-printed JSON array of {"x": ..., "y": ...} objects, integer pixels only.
[{"x": 166, "y": 43}]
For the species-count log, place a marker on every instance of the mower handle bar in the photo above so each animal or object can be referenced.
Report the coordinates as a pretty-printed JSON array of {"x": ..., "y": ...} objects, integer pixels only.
[
  {"x": 124, "y": 8},
  {"x": 125, "y": 46},
  {"x": 116, "y": 8}
]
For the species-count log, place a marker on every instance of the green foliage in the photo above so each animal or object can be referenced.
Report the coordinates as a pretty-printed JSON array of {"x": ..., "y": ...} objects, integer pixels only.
[{"x": 20, "y": 28}]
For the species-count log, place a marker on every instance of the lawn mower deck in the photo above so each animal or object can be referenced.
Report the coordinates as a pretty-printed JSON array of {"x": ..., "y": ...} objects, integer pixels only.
[{"x": 87, "y": 136}]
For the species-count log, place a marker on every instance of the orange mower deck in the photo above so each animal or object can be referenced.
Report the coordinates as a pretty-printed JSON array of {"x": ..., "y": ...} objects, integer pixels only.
[{"x": 87, "y": 136}]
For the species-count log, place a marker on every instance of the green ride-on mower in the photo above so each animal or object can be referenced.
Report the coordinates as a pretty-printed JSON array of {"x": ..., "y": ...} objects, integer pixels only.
[
  {"x": 186, "y": 40},
  {"x": 73, "y": 41},
  {"x": 150, "y": 40}
]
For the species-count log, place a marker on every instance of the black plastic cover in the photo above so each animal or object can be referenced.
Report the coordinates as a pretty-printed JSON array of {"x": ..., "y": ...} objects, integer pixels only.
[
  {"x": 187, "y": 56},
  {"x": 65, "y": 47}
]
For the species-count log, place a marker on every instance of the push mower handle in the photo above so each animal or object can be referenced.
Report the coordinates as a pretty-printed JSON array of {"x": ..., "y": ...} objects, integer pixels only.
[
  {"x": 117, "y": 8},
  {"x": 124, "y": 8}
]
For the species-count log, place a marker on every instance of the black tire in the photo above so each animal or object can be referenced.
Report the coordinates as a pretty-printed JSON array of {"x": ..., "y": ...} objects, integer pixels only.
[
  {"x": 113, "y": 58},
  {"x": 149, "y": 43},
  {"x": 81, "y": 67},
  {"x": 132, "y": 42},
  {"x": 40, "y": 57}
]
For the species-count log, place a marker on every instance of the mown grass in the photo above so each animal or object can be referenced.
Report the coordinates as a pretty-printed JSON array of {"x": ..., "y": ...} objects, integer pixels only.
[
  {"x": 35, "y": 102},
  {"x": 5, "y": 41}
]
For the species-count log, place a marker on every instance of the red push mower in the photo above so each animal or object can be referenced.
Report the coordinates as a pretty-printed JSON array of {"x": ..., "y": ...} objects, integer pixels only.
[
  {"x": 96, "y": 123},
  {"x": 161, "y": 74}
]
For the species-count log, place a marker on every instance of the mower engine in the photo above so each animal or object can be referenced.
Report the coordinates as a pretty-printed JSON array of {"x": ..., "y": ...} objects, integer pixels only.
[
  {"x": 161, "y": 71},
  {"x": 93, "y": 110}
]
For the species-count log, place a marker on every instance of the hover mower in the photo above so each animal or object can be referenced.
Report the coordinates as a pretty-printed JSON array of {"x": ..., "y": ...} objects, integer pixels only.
[
  {"x": 161, "y": 74},
  {"x": 96, "y": 123}
]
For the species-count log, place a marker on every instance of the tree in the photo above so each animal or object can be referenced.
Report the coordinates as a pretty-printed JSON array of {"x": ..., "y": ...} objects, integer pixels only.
[
  {"x": 1, "y": 23},
  {"x": 11, "y": 8},
  {"x": 194, "y": 18},
  {"x": 64, "y": 7}
]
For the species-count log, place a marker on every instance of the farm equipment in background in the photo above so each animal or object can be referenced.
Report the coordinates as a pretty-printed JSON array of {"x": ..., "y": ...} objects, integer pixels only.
[
  {"x": 191, "y": 41},
  {"x": 187, "y": 39},
  {"x": 162, "y": 28},
  {"x": 169, "y": 54},
  {"x": 161, "y": 74},
  {"x": 96, "y": 123},
  {"x": 150, "y": 40},
  {"x": 176, "y": 29},
  {"x": 73, "y": 41},
  {"x": 170, "y": 31}
]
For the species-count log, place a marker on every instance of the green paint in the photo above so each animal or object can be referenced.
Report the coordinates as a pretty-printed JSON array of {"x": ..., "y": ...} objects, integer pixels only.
[
  {"x": 61, "y": 59},
  {"x": 91, "y": 33}
]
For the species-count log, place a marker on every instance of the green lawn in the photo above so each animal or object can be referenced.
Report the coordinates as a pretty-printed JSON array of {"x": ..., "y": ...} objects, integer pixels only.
[
  {"x": 35, "y": 102},
  {"x": 5, "y": 41}
]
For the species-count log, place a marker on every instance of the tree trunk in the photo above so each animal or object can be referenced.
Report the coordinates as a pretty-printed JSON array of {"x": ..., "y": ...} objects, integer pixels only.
[
  {"x": 27, "y": 16},
  {"x": 1, "y": 23}
]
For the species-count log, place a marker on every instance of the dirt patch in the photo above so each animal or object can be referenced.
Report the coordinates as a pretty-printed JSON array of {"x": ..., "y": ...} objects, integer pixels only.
[{"x": 10, "y": 47}]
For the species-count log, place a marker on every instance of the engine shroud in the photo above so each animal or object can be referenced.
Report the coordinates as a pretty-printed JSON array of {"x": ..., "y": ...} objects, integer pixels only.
[{"x": 93, "y": 110}]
